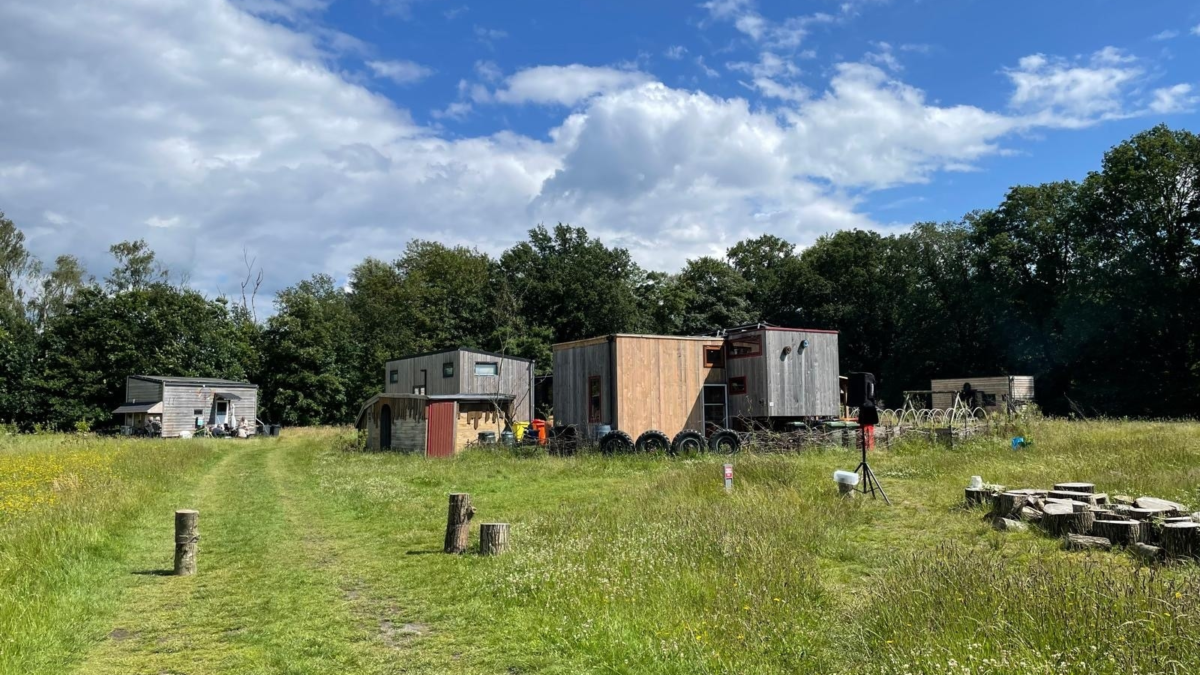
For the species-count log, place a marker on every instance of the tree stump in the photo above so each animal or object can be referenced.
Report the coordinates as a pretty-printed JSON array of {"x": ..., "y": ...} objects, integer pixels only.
[
  {"x": 493, "y": 538},
  {"x": 1085, "y": 497},
  {"x": 1120, "y": 532},
  {"x": 1180, "y": 540},
  {"x": 187, "y": 522},
  {"x": 1166, "y": 507},
  {"x": 1029, "y": 514},
  {"x": 1076, "y": 487},
  {"x": 1063, "y": 519},
  {"x": 975, "y": 496},
  {"x": 1079, "y": 542},
  {"x": 1006, "y": 503},
  {"x": 458, "y": 522},
  {"x": 1009, "y": 525}
]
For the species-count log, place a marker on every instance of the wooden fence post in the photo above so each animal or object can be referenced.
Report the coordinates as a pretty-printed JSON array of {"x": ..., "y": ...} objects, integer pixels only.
[
  {"x": 186, "y": 535},
  {"x": 458, "y": 522},
  {"x": 493, "y": 538}
]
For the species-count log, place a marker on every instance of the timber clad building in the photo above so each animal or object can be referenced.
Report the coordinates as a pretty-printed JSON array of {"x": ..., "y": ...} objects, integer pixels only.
[
  {"x": 635, "y": 383},
  {"x": 436, "y": 403},
  {"x": 180, "y": 404}
]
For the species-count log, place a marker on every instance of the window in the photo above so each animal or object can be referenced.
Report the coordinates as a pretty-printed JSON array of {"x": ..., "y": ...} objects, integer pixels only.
[
  {"x": 593, "y": 399},
  {"x": 487, "y": 369},
  {"x": 714, "y": 357},
  {"x": 419, "y": 390},
  {"x": 198, "y": 412},
  {"x": 741, "y": 347},
  {"x": 394, "y": 376},
  {"x": 448, "y": 369},
  {"x": 737, "y": 385}
]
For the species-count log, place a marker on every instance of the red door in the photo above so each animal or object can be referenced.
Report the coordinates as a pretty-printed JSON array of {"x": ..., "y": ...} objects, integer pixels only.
[{"x": 439, "y": 434}]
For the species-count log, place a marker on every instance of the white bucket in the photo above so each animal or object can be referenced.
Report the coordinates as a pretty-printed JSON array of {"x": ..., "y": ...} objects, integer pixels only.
[
  {"x": 976, "y": 482},
  {"x": 845, "y": 477}
]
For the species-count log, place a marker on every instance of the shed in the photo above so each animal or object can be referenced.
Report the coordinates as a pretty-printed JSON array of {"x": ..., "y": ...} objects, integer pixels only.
[
  {"x": 987, "y": 392},
  {"x": 436, "y": 426},
  {"x": 738, "y": 378},
  {"x": 170, "y": 406}
]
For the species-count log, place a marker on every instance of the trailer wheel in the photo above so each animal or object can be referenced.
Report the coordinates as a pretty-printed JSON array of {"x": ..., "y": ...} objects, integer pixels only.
[
  {"x": 616, "y": 443},
  {"x": 688, "y": 442},
  {"x": 653, "y": 441},
  {"x": 725, "y": 442}
]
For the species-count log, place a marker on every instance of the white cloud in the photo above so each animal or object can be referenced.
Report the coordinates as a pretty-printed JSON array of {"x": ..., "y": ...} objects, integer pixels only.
[
  {"x": 566, "y": 85},
  {"x": 488, "y": 71},
  {"x": 1074, "y": 93},
  {"x": 786, "y": 34},
  {"x": 55, "y": 218},
  {"x": 1196, "y": 30},
  {"x": 400, "y": 72},
  {"x": 1165, "y": 35},
  {"x": 772, "y": 76},
  {"x": 203, "y": 128},
  {"x": 1174, "y": 99},
  {"x": 675, "y": 52}
]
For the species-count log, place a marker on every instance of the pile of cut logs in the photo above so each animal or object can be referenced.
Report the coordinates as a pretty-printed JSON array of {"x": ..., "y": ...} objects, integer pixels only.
[{"x": 1150, "y": 528}]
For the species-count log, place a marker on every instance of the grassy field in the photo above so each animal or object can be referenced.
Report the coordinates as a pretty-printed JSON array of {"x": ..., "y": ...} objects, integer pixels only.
[{"x": 316, "y": 560}]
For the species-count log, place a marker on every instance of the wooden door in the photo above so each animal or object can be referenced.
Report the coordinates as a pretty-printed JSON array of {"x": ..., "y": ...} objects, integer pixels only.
[{"x": 439, "y": 432}]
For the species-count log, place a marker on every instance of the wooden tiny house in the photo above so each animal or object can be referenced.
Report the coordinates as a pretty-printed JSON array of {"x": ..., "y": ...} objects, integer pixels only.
[
  {"x": 990, "y": 393},
  {"x": 174, "y": 406},
  {"x": 636, "y": 383},
  {"x": 438, "y": 402}
]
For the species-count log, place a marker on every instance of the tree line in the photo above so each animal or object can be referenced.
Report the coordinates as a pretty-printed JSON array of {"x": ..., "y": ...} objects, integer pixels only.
[{"x": 1089, "y": 286}]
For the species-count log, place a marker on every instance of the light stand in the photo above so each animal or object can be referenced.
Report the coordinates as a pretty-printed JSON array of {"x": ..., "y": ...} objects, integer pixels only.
[{"x": 868, "y": 483}]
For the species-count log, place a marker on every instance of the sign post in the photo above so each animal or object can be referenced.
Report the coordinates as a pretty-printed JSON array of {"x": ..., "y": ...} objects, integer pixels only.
[{"x": 729, "y": 478}]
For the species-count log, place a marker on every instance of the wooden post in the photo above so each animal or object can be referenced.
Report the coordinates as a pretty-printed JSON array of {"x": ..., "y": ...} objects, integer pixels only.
[
  {"x": 493, "y": 538},
  {"x": 186, "y": 535},
  {"x": 458, "y": 522}
]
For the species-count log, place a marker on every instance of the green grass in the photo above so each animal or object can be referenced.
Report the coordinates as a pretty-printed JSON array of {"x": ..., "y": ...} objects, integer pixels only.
[{"x": 314, "y": 560}]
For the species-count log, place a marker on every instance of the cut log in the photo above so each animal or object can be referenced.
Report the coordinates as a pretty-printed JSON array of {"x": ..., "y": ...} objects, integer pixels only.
[
  {"x": 1100, "y": 498},
  {"x": 1180, "y": 540},
  {"x": 1076, "y": 487},
  {"x": 1059, "y": 521},
  {"x": 1120, "y": 532},
  {"x": 1032, "y": 492},
  {"x": 493, "y": 538},
  {"x": 977, "y": 496},
  {"x": 187, "y": 535},
  {"x": 1007, "y": 503},
  {"x": 1125, "y": 500},
  {"x": 1079, "y": 542},
  {"x": 1146, "y": 514},
  {"x": 1146, "y": 552},
  {"x": 1157, "y": 504},
  {"x": 1009, "y": 525},
  {"x": 1085, "y": 497},
  {"x": 1029, "y": 514},
  {"x": 458, "y": 522}
]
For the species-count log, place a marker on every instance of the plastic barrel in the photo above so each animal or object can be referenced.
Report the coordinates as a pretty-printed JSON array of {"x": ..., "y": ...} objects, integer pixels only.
[
  {"x": 600, "y": 430},
  {"x": 507, "y": 438},
  {"x": 487, "y": 437}
]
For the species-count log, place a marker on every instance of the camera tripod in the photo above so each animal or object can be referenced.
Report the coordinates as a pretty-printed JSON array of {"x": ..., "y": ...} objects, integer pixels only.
[{"x": 868, "y": 483}]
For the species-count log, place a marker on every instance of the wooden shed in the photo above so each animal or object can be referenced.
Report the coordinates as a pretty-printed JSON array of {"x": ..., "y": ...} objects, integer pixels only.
[
  {"x": 464, "y": 371},
  {"x": 173, "y": 406},
  {"x": 436, "y": 426},
  {"x": 635, "y": 383},
  {"x": 990, "y": 393}
]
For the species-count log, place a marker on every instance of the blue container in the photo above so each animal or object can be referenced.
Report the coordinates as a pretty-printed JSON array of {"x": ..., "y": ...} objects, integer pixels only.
[
  {"x": 487, "y": 437},
  {"x": 600, "y": 431},
  {"x": 508, "y": 438}
]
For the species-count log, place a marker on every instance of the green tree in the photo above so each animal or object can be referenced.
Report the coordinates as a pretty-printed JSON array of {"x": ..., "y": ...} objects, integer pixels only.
[
  {"x": 714, "y": 296},
  {"x": 136, "y": 268}
]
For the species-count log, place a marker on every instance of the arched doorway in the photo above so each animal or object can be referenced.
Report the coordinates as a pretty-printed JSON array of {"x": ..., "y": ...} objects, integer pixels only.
[{"x": 385, "y": 427}]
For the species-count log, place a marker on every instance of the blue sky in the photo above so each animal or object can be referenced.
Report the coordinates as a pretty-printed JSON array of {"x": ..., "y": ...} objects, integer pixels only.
[{"x": 314, "y": 133}]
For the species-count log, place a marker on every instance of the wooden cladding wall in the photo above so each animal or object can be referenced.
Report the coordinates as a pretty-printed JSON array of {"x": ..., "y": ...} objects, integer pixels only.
[
  {"x": 475, "y": 417},
  {"x": 409, "y": 375},
  {"x": 515, "y": 378},
  {"x": 787, "y": 380},
  {"x": 408, "y": 423},
  {"x": 181, "y": 401},
  {"x": 141, "y": 391},
  {"x": 660, "y": 383},
  {"x": 574, "y": 363},
  {"x": 993, "y": 387}
]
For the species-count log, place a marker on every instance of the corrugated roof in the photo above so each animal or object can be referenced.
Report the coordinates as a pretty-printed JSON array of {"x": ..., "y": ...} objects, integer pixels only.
[{"x": 198, "y": 381}]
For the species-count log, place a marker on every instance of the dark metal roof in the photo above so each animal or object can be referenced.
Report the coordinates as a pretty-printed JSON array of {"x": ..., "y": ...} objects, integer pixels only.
[
  {"x": 471, "y": 397},
  {"x": 461, "y": 349},
  {"x": 196, "y": 381}
]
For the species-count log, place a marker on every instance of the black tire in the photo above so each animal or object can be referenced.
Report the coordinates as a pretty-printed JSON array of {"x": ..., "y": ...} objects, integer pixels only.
[
  {"x": 616, "y": 443},
  {"x": 653, "y": 441},
  {"x": 725, "y": 442},
  {"x": 688, "y": 441}
]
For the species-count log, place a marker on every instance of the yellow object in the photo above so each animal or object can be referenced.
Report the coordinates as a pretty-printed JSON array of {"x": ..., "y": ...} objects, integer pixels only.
[{"x": 519, "y": 429}]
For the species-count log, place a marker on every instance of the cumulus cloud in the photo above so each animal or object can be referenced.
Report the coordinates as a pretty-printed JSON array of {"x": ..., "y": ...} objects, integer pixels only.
[
  {"x": 1074, "y": 92},
  {"x": 1178, "y": 98},
  {"x": 786, "y": 34},
  {"x": 204, "y": 128},
  {"x": 400, "y": 72},
  {"x": 566, "y": 85}
]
